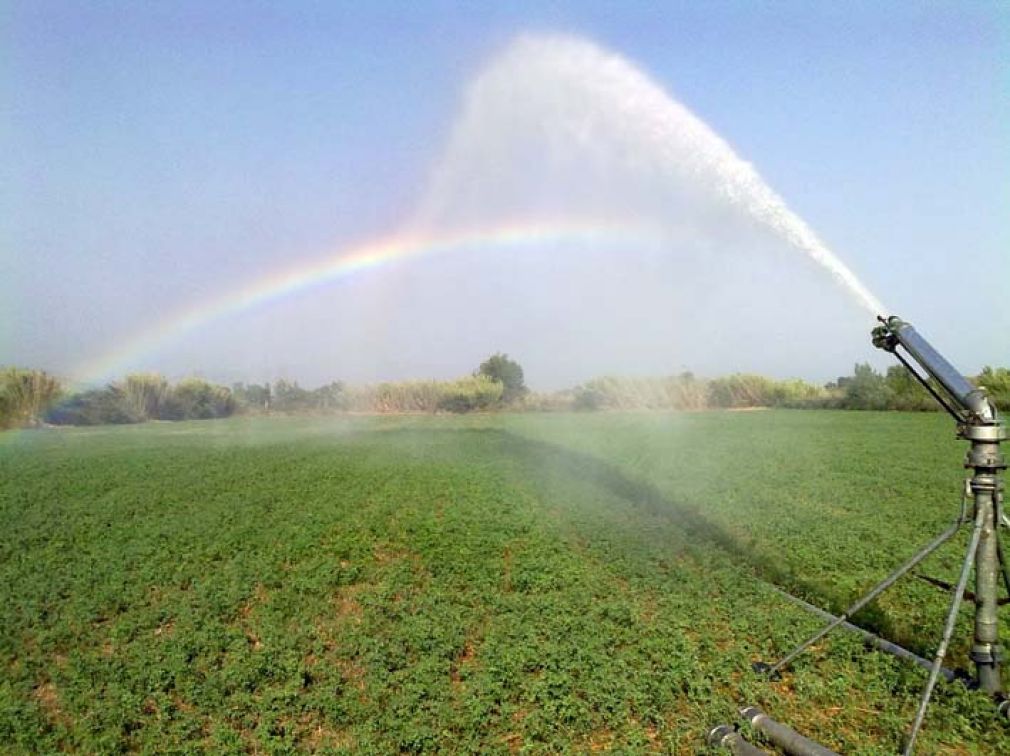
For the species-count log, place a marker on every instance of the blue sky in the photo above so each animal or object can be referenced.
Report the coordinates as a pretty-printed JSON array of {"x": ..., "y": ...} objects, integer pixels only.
[{"x": 158, "y": 154}]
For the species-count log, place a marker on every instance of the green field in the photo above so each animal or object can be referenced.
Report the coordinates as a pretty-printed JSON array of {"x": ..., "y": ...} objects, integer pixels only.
[{"x": 487, "y": 583}]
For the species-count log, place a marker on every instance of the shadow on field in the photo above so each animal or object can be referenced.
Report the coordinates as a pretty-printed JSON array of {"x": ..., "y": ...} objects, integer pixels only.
[
  {"x": 687, "y": 518},
  {"x": 644, "y": 497},
  {"x": 553, "y": 462}
]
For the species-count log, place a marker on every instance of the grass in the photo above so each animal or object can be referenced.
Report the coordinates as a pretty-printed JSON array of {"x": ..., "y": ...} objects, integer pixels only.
[{"x": 492, "y": 583}]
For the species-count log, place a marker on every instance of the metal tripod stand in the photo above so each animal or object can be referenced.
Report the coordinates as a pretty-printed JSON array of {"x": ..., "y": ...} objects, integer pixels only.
[{"x": 979, "y": 424}]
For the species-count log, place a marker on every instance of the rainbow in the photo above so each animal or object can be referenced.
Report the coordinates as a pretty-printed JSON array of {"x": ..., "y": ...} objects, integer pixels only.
[{"x": 344, "y": 264}]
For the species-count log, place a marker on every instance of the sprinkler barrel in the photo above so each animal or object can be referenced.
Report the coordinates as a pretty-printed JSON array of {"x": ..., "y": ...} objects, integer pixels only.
[{"x": 972, "y": 405}]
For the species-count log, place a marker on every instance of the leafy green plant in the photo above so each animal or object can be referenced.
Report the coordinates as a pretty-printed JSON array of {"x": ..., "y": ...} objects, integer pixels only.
[{"x": 480, "y": 583}]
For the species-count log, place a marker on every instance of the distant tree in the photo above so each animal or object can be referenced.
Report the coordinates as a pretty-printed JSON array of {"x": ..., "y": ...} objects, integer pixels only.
[
  {"x": 251, "y": 397},
  {"x": 866, "y": 389},
  {"x": 333, "y": 396},
  {"x": 508, "y": 372},
  {"x": 290, "y": 397},
  {"x": 905, "y": 392},
  {"x": 196, "y": 399}
]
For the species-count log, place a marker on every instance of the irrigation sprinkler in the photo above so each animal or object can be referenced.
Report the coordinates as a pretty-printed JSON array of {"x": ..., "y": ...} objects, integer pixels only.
[{"x": 978, "y": 422}]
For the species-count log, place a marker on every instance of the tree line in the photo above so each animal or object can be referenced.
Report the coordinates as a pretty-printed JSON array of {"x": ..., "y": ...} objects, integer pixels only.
[
  {"x": 32, "y": 397},
  {"x": 865, "y": 389}
]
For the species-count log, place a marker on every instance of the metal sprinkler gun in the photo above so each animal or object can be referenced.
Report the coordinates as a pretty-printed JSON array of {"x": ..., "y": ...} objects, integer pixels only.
[
  {"x": 973, "y": 406},
  {"x": 979, "y": 423}
]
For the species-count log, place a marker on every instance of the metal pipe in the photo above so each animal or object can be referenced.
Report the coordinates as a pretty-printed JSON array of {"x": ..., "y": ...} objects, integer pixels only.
[
  {"x": 985, "y": 651},
  {"x": 948, "y": 630},
  {"x": 877, "y": 590},
  {"x": 784, "y": 737},
  {"x": 875, "y": 641},
  {"x": 970, "y": 398},
  {"x": 1003, "y": 566},
  {"x": 726, "y": 736},
  {"x": 924, "y": 382},
  {"x": 935, "y": 364},
  {"x": 1001, "y": 519},
  {"x": 988, "y": 463}
]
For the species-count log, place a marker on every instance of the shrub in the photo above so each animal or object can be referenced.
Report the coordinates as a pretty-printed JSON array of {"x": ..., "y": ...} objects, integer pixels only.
[
  {"x": 251, "y": 397},
  {"x": 866, "y": 389},
  {"x": 196, "y": 399},
  {"x": 25, "y": 395},
  {"x": 107, "y": 406},
  {"x": 741, "y": 390},
  {"x": 997, "y": 382},
  {"x": 478, "y": 392},
  {"x": 144, "y": 394}
]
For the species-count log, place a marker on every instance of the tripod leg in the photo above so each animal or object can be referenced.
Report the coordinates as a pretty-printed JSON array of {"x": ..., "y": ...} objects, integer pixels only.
[
  {"x": 880, "y": 588},
  {"x": 1001, "y": 521},
  {"x": 948, "y": 629},
  {"x": 1002, "y": 562}
]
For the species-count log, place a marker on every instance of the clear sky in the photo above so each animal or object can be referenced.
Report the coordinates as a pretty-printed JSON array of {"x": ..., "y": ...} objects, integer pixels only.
[{"x": 159, "y": 155}]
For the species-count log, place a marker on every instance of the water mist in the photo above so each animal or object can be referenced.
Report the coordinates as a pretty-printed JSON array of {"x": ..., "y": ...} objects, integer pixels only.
[{"x": 549, "y": 103}]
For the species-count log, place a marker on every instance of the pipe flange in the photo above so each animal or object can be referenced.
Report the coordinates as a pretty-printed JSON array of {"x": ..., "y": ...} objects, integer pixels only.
[
  {"x": 987, "y": 459},
  {"x": 986, "y": 654},
  {"x": 718, "y": 734},
  {"x": 989, "y": 434},
  {"x": 983, "y": 483},
  {"x": 1003, "y": 706}
]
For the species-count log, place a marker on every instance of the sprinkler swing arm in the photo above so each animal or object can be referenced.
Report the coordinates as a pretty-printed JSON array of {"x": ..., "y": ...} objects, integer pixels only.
[{"x": 979, "y": 423}]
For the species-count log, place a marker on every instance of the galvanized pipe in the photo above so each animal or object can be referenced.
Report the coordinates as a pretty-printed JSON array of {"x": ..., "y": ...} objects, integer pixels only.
[
  {"x": 875, "y": 641},
  {"x": 970, "y": 398},
  {"x": 726, "y": 736},
  {"x": 1001, "y": 520},
  {"x": 948, "y": 630},
  {"x": 876, "y": 591},
  {"x": 985, "y": 650},
  {"x": 782, "y": 736},
  {"x": 985, "y": 459}
]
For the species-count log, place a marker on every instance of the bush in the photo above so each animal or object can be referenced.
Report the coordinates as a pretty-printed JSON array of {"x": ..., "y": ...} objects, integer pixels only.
[
  {"x": 477, "y": 392},
  {"x": 905, "y": 392},
  {"x": 144, "y": 394},
  {"x": 252, "y": 397},
  {"x": 143, "y": 397},
  {"x": 866, "y": 389},
  {"x": 25, "y": 395},
  {"x": 997, "y": 382},
  {"x": 680, "y": 392},
  {"x": 741, "y": 390},
  {"x": 686, "y": 392},
  {"x": 107, "y": 406},
  {"x": 589, "y": 397},
  {"x": 196, "y": 399}
]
